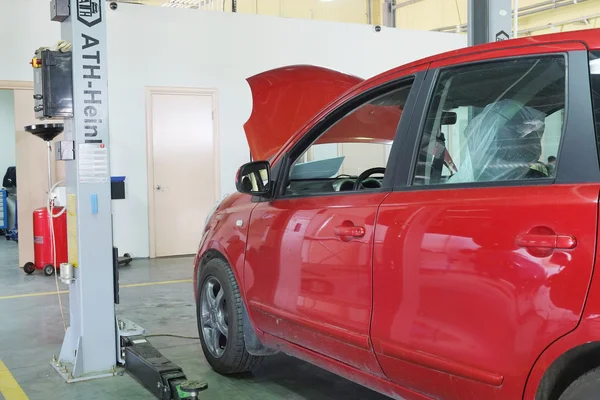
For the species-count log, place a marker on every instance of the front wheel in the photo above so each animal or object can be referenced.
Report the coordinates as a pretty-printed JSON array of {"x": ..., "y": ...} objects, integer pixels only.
[
  {"x": 220, "y": 315},
  {"x": 586, "y": 387},
  {"x": 49, "y": 270}
]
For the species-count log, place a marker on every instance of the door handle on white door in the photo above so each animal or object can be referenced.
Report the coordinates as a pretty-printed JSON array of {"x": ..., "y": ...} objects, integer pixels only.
[{"x": 158, "y": 187}]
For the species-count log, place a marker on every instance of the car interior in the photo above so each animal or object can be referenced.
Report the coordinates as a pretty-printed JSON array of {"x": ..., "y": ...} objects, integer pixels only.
[
  {"x": 505, "y": 127},
  {"x": 352, "y": 154}
]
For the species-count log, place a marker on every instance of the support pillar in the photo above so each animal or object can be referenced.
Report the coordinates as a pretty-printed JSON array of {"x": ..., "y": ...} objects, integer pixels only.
[
  {"x": 388, "y": 14},
  {"x": 90, "y": 343},
  {"x": 489, "y": 21}
]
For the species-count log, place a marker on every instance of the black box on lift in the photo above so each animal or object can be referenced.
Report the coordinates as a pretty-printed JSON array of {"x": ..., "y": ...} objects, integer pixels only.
[
  {"x": 53, "y": 85},
  {"x": 117, "y": 187}
]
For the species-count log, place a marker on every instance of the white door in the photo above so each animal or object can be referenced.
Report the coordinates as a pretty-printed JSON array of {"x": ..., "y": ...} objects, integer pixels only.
[{"x": 183, "y": 177}]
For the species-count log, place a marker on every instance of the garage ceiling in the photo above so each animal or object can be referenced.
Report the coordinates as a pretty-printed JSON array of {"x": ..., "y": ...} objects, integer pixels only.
[{"x": 173, "y": 3}]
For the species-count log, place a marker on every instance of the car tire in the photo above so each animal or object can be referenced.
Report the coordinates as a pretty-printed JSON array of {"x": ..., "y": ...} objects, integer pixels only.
[
  {"x": 218, "y": 312},
  {"x": 585, "y": 387},
  {"x": 49, "y": 270}
]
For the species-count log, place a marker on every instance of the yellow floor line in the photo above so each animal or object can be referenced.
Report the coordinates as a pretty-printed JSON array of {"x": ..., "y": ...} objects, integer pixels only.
[
  {"x": 9, "y": 387},
  {"x": 156, "y": 283},
  {"x": 130, "y": 285}
]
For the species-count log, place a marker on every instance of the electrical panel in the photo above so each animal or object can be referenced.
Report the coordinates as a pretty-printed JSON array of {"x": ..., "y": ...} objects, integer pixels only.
[{"x": 53, "y": 84}]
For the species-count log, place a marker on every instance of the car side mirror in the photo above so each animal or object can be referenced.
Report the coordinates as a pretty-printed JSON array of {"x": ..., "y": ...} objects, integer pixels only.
[{"x": 254, "y": 178}]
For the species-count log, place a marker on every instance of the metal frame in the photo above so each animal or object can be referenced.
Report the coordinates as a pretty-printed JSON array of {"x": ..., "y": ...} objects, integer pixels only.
[
  {"x": 91, "y": 295},
  {"x": 95, "y": 340},
  {"x": 388, "y": 14},
  {"x": 489, "y": 21}
]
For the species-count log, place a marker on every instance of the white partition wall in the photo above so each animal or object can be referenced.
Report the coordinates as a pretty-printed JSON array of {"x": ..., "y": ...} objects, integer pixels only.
[{"x": 163, "y": 47}]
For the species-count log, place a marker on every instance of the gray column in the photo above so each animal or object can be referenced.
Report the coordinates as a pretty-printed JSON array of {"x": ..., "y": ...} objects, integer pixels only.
[
  {"x": 489, "y": 21},
  {"x": 90, "y": 342}
]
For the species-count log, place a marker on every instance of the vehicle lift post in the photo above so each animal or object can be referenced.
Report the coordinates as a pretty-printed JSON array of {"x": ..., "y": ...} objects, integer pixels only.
[
  {"x": 489, "y": 21},
  {"x": 71, "y": 84}
]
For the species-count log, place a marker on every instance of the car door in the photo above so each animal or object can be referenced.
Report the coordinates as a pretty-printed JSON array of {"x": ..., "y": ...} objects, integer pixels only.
[
  {"x": 482, "y": 262},
  {"x": 308, "y": 271}
]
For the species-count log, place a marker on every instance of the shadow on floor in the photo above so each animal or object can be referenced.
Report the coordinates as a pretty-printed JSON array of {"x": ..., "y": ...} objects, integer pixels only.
[{"x": 34, "y": 332}]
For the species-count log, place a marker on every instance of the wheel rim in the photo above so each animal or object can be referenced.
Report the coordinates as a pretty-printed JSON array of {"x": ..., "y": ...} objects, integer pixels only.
[{"x": 213, "y": 317}]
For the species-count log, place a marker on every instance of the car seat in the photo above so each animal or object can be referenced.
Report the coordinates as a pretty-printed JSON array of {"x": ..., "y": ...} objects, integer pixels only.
[{"x": 503, "y": 142}]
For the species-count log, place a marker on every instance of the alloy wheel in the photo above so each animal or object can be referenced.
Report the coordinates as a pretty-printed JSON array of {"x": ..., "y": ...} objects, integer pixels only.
[{"x": 215, "y": 328}]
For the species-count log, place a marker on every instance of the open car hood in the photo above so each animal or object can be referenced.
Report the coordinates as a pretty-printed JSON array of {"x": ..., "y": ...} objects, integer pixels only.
[{"x": 285, "y": 99}]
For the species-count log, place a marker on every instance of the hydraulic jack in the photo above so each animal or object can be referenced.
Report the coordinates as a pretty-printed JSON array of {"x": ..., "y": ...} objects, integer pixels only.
[
  {"x": 145, "y": 363},
  {"x": 159, "y": 375}
]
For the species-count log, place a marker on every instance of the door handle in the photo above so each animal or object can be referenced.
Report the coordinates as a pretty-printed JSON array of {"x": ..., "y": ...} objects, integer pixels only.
[
  {"x": 541, "y": 241},
  {"x": 349, "y": 231}
]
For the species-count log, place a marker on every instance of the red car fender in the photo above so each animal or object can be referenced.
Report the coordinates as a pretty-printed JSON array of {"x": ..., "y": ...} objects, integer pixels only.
[
  {"x": 579, "y": 337},
  {"x": 225, "y": 236}
]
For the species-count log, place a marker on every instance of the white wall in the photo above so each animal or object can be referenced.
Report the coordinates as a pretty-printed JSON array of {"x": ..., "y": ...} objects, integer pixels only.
[
  {"x": 156, "y": 46},
  {"x": 7, "y": 132},
  {"x": 25, "y": 25}
]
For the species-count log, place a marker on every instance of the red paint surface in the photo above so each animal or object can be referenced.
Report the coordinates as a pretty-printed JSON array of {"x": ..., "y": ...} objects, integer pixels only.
[
  {"x": 42, "y": 238},
  {"x": 223, "y": 236},
  {"x": 467, "y": 301},
  {"x": 454, "y": 294},
  {"x": 285, "y": 99},
  {"x": 305, "y": 283}
]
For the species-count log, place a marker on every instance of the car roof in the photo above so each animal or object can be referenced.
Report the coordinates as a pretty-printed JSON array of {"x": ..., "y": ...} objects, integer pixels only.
[{"x": 589, "y": 37}]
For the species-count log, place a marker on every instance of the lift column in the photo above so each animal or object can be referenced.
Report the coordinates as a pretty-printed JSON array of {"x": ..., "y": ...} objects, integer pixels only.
[
  {"x": 489, "y": 21},
  {"x": 90, "y": 343}
]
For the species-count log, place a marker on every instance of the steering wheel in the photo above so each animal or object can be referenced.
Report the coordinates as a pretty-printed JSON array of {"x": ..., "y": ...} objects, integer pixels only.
[{"x": 358, "y": 182}]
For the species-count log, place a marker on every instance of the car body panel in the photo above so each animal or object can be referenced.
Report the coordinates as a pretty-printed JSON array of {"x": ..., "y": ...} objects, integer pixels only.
[
  {"x": 223, "y": 235},
  {"x": 468, "y": 302},
  {"x": 308, "y": 285},
  {"x": 587, "y": 332},
  {"x": 285, "y": 99}
]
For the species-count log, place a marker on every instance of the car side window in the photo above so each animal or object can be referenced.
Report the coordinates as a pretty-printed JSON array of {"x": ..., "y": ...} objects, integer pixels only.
[
  {"x": 352, "y": 153},
  {"x": 595, "y": 85},
  {"x": 492, "y": 122}
]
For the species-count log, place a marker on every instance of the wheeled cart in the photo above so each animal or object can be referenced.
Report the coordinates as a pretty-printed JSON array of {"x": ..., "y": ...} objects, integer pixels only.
[{"x": 45, "y": 241}]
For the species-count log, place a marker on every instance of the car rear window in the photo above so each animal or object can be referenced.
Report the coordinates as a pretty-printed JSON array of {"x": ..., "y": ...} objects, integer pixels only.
[{"x": 494, "y": 121}]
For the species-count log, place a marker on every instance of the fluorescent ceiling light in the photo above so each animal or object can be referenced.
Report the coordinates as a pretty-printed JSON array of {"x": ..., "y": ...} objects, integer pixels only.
[{"x": 183, "y": 3}]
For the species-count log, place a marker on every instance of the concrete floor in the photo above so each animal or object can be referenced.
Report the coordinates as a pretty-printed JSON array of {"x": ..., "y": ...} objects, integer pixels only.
[{"x": 31, "y": 331}]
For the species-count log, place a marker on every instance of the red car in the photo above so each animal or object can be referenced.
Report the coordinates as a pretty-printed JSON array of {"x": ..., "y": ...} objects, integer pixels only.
[{"x": 430, "y": 233}]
